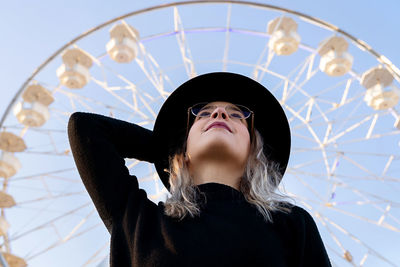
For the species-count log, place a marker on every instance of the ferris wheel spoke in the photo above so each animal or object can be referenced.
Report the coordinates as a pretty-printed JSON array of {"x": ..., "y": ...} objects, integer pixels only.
[
  {"x": 183, "y": 45},
  {"x": 389, "y": 204},
  {"x": 359, "y": 241},
  {"x": 305, "y": 138},
  {"x": 350, "y": 116},
  {"x": 263, "y": 67},
  {"x": 121, "y": 99},
  {"x": 138, "y": 93},
  {"x": 375, "y": 136},
  {"x": 260, "y": 66},
  {"x": 73, "y": 97},
  {"x": 355, "y": 202},
  {"x": 49, "y": 153},
  {"x": 387, "y": 166},
  {"x": 346, "y": 91},
  {"x": 62, "y": 241},
  {"x": 379, "y": 223},
  {"x": 96, "y": 256},
  {"x": 310, "y": 71},
  {"x": 335, "y": 140},
  {"x": 151, "y": 69},
  {"x": 364, "y": 197},
  {"x": 227, "y": 38},
  {"x": 132, "y": 87},
  {"x": 321, "y": 176},
  {"x": 336, "y": 239},
  {"x": 308, "y": 64},
  {"x": 349, "y": 129},
  {"x": 310, "y": 129},
  {"x": 380, "y": 154},
  {"x": 316, "y": 119},
  {"x": 148, "y": 178},
  {"x": 361, "y": 167},
  {"x": 49, "y": 173},
  {"x": 346, "y": 254},
  {"x": 160, "y": 195},
  {"x": 337, "y": 253},
  {"x": 298, "y": 71},
  {"x": 345, "y": 82},
  {"x": 318, "y": 99},
  {"x": 290, "y": 85},
  {"x": 84, "y": 102},
  {"x": 133, "y": 163},
  {"x": 301, "y": 165},
  {"x": 309, "y": 187},
  {"x": 49, "y": 197},
  {"x": 18, "y": 235},
  {"x": 37, "y": 130}
]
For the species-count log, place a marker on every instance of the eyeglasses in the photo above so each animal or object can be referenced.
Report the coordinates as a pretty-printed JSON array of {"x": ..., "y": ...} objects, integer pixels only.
[
  {"x": 239, "y": 112},
  {"x": 203, "y": 110}
]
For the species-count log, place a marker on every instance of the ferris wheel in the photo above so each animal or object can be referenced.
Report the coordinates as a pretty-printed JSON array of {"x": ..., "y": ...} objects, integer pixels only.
[{"x": 340, "y": 96}]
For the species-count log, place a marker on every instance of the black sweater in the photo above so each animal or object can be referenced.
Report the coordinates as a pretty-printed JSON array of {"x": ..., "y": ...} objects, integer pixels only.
[{"x": 228, "y": 232}]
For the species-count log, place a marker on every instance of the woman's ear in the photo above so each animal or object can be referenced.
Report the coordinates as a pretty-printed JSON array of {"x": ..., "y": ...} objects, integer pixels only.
[{"x": 187, "y": 157}]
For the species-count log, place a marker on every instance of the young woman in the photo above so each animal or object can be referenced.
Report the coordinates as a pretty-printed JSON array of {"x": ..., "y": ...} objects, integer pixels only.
[{"x": 220, "y": 145}]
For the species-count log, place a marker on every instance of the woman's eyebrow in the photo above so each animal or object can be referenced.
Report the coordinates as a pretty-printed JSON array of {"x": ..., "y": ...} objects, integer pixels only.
[
  {"x": 234, "y": 107},
  {"x": 209, "y": 106}
]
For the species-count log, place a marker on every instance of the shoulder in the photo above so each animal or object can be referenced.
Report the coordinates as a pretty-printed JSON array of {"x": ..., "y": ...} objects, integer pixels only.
[
  {"x": 308, "y": 239},
  {"x": 298, "y": 224},
  {"x": 302, "y": 223},
  {"x": 300, "y": 213},
  {"x": 294, "y": 216}
]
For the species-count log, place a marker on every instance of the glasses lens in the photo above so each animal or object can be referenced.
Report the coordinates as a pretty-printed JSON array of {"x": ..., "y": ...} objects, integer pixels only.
[
  {"x": 197, "y": 109},
  {"x": 238, "y": 111}
]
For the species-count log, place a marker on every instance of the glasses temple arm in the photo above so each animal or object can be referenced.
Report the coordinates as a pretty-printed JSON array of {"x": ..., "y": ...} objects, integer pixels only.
[{"x": 187, "y": 122}]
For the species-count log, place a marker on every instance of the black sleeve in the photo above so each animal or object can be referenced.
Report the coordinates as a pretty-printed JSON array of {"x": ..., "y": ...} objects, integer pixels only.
[
  {"x": 312, "y": 248},
  {"x": 99, "y": 145}
]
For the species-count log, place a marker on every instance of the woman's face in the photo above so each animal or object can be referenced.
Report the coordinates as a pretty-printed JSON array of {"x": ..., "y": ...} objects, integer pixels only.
[{"x": 219, "y": 136}]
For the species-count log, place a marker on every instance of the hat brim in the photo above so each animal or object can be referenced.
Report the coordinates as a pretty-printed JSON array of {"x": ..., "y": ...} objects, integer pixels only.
[{"x": 269, "y": 117}]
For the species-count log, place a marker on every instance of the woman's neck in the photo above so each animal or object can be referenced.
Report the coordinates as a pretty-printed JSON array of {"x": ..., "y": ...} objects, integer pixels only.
[{"x": 207, "y": 172}]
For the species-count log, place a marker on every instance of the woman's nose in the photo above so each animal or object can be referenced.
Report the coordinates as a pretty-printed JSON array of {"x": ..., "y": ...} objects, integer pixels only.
[{"x": 219, "y": 112}]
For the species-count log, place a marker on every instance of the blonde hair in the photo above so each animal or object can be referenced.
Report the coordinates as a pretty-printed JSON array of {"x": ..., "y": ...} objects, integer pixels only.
[{"x": 259, "y": 185}]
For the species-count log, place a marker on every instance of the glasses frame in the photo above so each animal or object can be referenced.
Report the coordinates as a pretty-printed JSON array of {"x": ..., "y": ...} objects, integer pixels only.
[
  {"x": 242, "y": 108},
  {"x": 251, "y": 115}
]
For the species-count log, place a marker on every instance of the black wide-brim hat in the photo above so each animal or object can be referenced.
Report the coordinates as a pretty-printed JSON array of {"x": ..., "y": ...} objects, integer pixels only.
[{"x": 269, "y": 118}]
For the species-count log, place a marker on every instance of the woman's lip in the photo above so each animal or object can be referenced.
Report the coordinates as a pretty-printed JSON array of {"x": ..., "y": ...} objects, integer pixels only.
[{"x": 218, "y": 125}]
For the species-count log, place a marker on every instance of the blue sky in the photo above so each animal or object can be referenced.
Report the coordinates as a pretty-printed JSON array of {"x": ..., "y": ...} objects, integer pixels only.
[{"x": 33, "y": 30}]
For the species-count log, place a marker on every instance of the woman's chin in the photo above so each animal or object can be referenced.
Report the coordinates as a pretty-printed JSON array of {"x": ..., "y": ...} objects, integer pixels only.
[{"x": 219, "y": 149}]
